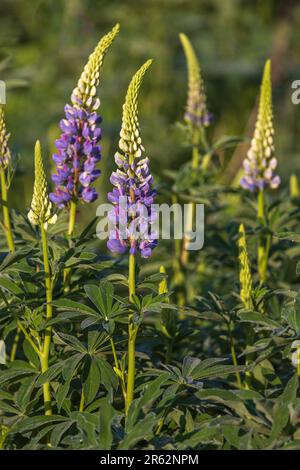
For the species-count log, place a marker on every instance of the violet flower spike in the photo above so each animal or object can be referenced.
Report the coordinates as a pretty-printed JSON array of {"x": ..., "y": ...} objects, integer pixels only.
[
  {"x": 132, "y": 183},
  {"x": 78, "y": 148}
]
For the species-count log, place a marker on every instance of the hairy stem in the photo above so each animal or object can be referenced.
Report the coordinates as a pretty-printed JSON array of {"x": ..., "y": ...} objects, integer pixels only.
[
  {"x": 117, "y": 367},
  {"x": 264, "y": 241},
  {"x": 71, "y": 228},
  {"x": 72, "y": 218},
  {"x": 234, "y": 357},
  {"x": 44, "y": 356},
  {"x": 190, "y": 213},
  {"x": 10, "y": 245},
  {"x": 132, "y": 332},
  {"x": 81, "y": 405},
  {"x": 6, "y": 216}
]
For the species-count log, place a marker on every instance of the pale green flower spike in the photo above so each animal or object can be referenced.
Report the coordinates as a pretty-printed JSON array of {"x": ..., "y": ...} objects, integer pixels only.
[
  {"x": 262, "y": 143},
  {"x": 85, "y": 91},
  {"x": 245, "y": 272},
  {"x": 5, "y": 155},
  {"x": 40, "y": 212},
  {"x": 196, "y": 112},
  {"x": 130, "y": 142},
  {"x": 294, "y": 187},
  {"x": 163, "y": 286}
]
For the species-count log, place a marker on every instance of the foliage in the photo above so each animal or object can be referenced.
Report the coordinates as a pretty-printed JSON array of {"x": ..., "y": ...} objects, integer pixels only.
[{"x": 211, "y": 351}]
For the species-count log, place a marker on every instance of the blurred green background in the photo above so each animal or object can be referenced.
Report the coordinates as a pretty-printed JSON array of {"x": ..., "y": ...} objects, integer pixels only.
[{"x": 45, "y": 44}]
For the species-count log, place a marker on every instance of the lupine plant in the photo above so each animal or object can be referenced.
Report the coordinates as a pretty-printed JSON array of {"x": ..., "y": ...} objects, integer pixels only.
[
  {"x": 260, "y": 164},
  {"x": 141, "y": 347}
]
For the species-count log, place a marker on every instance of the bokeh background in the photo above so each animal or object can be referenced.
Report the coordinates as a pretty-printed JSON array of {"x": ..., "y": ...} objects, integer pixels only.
[{"x": 45, "y": 44}]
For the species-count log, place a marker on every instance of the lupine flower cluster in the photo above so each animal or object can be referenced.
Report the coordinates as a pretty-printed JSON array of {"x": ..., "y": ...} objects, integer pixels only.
[
  {"x": 5, "y": 155},
  {"x": 41, "y": 208},
  {"x": 260, "y": 163},
  {"x": 78, "y": 148},
  {"x": 132, "y": 181},
  {"x": 196, "y": 113}
]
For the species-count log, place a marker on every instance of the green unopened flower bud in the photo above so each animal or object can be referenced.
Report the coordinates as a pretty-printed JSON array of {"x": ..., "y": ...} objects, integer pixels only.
[
  {"x": 245, "y": 272},
  {"x": 40, "y": 212},
  {"x": 5, "y": 155},
  {"x": 130, "y": 141},
  {"x": 85, "y": 91}
]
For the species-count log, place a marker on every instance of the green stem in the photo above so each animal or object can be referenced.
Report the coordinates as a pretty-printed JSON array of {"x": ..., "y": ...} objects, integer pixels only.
[
  {"x": 29, "y": 339},
  {"x": 233, "y": 355},
  {"x": 120, "y": 373},
  {"x": 169, "y": 351},
  {"x": 6, "y": 217},
  {"x": 132, "y": 332},
  {"x": 10, "y": 245},
  {"x": 44, "y": 356},
  {"x": 264, "y": 241},
  {"x": 298, "y": 362},
  {"x": 71, "y": 228},
  {"x": 15, "y": 345},
  {"x": 72, "y": 218},
  {"x": 81, "y": 406},
  {"x": 190, "y": 214}
]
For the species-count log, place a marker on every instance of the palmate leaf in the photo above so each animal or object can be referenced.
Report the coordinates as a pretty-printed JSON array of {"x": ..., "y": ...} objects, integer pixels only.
[
  {"x": 258, "y": 318},
  {"x": 72, "y": 306},
  {"x": 106, "y": 415},
  {"x": 143, "y": 429},
  {"x": 15, "y": 372},
  {"x": 283, "y": 406},
  {"x": 10, "y": 285},
  {"x": 291, "y": 236},
  {"x": 108, "y": 305},
  {"x": 11, "y": 259},
  {"x": 197, "y": 439},
  {"x": 35, "y": 422},
  {"x": 91, "y": 379},
  {"x": 151, "y": 392}
]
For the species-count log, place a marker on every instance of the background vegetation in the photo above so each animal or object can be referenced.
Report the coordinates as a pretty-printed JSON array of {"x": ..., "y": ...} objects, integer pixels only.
[{"x": 44, "y": 47}]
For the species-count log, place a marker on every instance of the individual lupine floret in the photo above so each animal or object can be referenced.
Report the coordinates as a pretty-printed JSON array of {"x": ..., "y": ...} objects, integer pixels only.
[
  {"x": 132, "y": 181},
  {"x": 41, "y": 208},
  {"x": 5, "y": 155},
  {"x": 196, "y": 113},
  {"x": 260, "y": 163},
  {"x": 78, "y": 148},
  {"x": 245, "y": 272}
]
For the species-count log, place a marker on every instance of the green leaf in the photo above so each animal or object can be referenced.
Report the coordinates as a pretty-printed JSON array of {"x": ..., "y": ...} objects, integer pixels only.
[
  {"x": 11, "y": 286},
  {"x": 107, "y": 414},
  {"x": 291, "y": 236},
  {"x": 36, "y": 422},
  {"x": 102, "y": 297},
  {"x": 92, "y": 381},
  {"x": 142, "y": 430},
  {"x": 70, "y": 305},
  {"x": 58, "y": 431},
  {"x": 259, "y": 318},
  {"x": 282, "y": 407}
]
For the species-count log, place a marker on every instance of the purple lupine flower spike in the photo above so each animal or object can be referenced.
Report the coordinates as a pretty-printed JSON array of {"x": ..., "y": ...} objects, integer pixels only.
[
  {"x": 78, "y": 148},
  {"x": 133, "y": 194},
  {"x": 196, "y": 113},
  {"x": 260, "y": 163}
]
